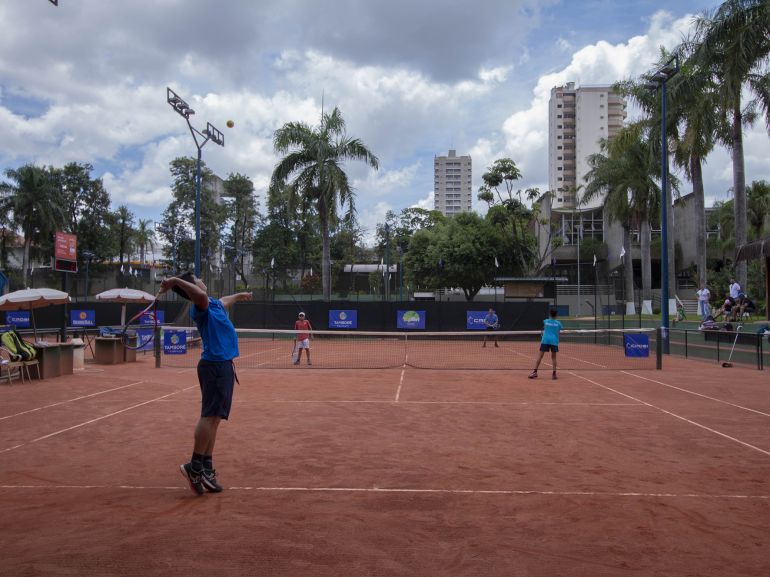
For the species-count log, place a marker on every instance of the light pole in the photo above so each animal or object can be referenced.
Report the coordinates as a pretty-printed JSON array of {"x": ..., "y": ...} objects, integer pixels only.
[
  {"x": 201, "y": 138},
  {"x": 657, "y": 82},
  {"x": 88, "y": 255}
]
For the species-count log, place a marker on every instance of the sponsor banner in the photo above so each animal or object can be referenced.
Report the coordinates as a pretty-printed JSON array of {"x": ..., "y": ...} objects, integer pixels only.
[
  {"x": 636, "y": 345},
  {"x": 174, "y": 342},
  {"x": 20, "y": 319},
  {"x": 410, "y": 320},
  {"x": 146, "y": 318},
  {"x": 82, "y": 318},
  {"x": 474, "y": 320},
  {"x": 144, "y": 338},
  {"x": 347, "y": 319}
]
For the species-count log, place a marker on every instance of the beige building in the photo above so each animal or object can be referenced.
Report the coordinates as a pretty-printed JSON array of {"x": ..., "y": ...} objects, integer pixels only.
[{"x": 452, "y": 186}]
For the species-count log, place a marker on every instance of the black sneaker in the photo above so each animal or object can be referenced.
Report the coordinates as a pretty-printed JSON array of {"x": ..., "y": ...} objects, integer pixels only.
[
  {"x": 193, "y": 477},
  {"x": 209, "y": 479},
  {"x": 532, "y": 375}
]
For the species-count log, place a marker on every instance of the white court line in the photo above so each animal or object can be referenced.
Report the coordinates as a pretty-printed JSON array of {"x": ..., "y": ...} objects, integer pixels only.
[
  {"x": 493, "y": 403},
  {"x": 49, "y": 435},
  {"x": 512, "y": 492},
  {"x": 69, "y": 401},
  {"x": 698, "y": 394},
  {"x": 685, "y": 419},
  {"x": 400, "y": 383}
]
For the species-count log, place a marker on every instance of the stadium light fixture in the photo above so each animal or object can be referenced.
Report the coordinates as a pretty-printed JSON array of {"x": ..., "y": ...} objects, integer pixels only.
[
  {"x": 201, "y": 138},
  {"x": 657, "y": 82}
]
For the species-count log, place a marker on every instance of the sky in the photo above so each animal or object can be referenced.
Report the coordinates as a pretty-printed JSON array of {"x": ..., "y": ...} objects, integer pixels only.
[{"x": 86, "y": 82}]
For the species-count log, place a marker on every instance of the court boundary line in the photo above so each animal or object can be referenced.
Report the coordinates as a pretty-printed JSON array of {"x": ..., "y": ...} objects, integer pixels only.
[
  {"x": 698, "y": 394},
  {"x": 90, "y": 421},
  {"x": 685, "y": 419},
  {"x": 400, "y": 383},
  {"x": 492, "y": 403},
  {"x": 403, "y": 490},
  {"x": 70, "y": 400}
]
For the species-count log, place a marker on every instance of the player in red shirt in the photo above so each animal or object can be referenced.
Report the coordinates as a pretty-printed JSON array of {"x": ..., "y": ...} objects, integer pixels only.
[{"x": 302, "y": 338}]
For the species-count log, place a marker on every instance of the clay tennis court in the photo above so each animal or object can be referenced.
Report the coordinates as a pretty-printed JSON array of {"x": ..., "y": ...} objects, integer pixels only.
[{"x": 392, "y": 472}]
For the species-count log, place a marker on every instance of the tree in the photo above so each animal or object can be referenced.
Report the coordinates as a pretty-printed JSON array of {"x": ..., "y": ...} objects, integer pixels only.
[
  {"x": 144, "y": 236},
  {"x": 507, "y": 210},
  {"x": 124, "y": 231},
  {"x": 458, "y": 252},
  {"x": 626, "y": 171},
  {"x": 36, "y": 204},
  {"x": 243, "y": 217},
  {"x": 313, "y": 164},
  {"x": 758, "y": 206},
  {"x": 733, "y": 44},
  {"x": 94, "y": 216}
]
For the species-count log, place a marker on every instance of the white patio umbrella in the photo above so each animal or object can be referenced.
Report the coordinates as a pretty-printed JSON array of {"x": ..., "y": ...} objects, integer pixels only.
[
  {"x": 32, "y": 298},
  {"x": 125, "y": 295}
]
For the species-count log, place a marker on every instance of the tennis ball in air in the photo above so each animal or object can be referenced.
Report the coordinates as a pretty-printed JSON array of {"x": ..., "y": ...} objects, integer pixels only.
[{"x": 230, "y": 124}]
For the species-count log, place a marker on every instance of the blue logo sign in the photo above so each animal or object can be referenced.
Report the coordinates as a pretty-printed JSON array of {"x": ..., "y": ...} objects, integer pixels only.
[
  {"x": 174, "y": 342},
  {"x": 82, "y": 318},
  {"x": 636, "y": 345},
  {"x": 347, "y": 319},
  {"x": 144, "y": 339},
  {"x": 20, "y": 319},
  {"x": 410, "y": 320},
  {"x": 474, "y": 320},
  {"x": 146, "y": 318}
]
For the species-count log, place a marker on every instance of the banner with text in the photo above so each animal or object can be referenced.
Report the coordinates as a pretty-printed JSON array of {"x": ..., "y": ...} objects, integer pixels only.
[
  {"x": 636, "y": 345},
  {"x": 347, "y": 319},
  {"x": 82, "y": 318},
  {"x": 474, "y": 320},
  {"x": 20, "y": 319},
  {"x": 174, "y": 342},
  {"x": 410, "y": 320}
]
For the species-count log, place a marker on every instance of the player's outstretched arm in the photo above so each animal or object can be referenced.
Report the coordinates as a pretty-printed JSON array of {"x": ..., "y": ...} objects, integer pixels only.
[
  {"x": 230, "y": 300},
  {"x": 197, "y": 295}
]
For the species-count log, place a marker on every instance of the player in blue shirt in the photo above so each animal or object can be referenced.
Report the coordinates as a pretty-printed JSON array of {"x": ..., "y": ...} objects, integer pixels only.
[
  {"x": 548, "y": 342},
  {"x": 216, "y": 373},
  {"x": 491, "y": 323}
]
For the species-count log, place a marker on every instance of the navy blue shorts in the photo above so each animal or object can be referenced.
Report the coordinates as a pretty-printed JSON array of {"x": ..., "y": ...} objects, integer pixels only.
[
  {"x": 545, "y": 348},
  {"x": 217, "y": 380}
]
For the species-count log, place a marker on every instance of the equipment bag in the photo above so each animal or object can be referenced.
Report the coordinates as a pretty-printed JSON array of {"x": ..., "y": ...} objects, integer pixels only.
[{"x": 17, "y": 346}]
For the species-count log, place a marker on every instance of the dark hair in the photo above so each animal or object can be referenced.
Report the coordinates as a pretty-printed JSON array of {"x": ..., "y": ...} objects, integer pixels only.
[
  {"x": 553, "y": 312},
  {"x": 188, "y": 277}
]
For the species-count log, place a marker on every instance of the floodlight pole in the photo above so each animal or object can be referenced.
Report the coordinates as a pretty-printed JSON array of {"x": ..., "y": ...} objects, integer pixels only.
[
  {"x": 88, "y": 255},
  {"x": 659, "y": 80},
  {"x": 200, "y": 138}
]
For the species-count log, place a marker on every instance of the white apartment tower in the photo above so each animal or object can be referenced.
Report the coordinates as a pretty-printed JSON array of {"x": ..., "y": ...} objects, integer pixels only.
[
  {"x": 577, "y": 119},
  {"x": 452, "y": 187}
]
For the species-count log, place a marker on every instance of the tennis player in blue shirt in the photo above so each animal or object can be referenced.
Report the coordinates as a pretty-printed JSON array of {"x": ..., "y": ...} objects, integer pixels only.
[
  {"x": 491, "y": 323},
  {"x": 548, "y": 342},
  {"x": 216, "y": 373}
]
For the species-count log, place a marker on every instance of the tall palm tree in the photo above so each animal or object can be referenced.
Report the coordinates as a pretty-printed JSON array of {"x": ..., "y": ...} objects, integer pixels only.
[
  {"x": 626, "y": 170},
  {"x": 758, "y": 206},
  {"x": 734, "y": 44},
  {"x": 124, "y": 222},
  {"x": 313, "y": 169},
  {"x": 35, "y": 203},
  {"x": 144, "y": 236}
]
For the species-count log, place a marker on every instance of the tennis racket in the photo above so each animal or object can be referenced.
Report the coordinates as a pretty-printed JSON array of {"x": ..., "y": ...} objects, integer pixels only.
[
  {"x": 295, "y": 352},
  {"x": 129, "y": 334}
]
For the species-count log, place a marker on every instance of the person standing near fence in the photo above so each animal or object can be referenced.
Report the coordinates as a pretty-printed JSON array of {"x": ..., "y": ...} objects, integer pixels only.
[
  {"x": 216, "y": 373},
  {"x": 735, "y": 290},
  {"x": 491, "y": 322},
  {"x": 704, "y": 302},
  {"x": 302, "y": 338}
]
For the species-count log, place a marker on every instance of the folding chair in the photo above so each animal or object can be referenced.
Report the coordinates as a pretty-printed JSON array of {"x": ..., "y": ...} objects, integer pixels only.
[{"x": 7, "y": 365}]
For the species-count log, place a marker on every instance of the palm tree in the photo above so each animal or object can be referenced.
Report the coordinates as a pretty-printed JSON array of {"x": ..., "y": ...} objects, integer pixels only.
[
  {"x": 144, "y": 236},
  {"x": 626, "y": 169},
  {"x": 124, "y": 221},
  {"x": 758, "y": 206},
  {"x": 35, "y": 203},
  {"x": 314, "y": 158},
  {"x": 734, "y": 44}
]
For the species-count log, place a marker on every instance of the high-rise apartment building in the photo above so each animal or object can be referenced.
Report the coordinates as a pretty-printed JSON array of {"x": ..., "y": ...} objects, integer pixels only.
[
  {"x": 452, "y": 186},
  {"x": 577, "y": 119}
]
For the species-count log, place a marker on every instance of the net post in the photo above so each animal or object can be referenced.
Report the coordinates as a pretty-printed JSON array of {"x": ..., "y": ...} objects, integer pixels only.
[
  {"x": 659, "y": 348},
  {"x": 156, "y": 346},
  {"x": 685, "y": 342}
]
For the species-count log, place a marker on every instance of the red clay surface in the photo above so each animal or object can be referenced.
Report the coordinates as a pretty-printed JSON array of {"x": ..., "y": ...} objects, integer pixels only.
[{"x": 391, "y": 472}]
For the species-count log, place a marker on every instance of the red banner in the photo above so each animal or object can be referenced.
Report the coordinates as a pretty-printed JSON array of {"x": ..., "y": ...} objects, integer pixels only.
[{"x": 65, "y": 246}]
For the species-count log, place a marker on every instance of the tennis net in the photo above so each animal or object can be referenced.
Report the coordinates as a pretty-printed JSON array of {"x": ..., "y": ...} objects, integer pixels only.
[{"x": 613, "y": 349}]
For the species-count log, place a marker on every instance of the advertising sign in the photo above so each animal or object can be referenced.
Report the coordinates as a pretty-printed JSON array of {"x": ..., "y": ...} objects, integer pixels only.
[
  {"x": 146, "y": 318},
  {"x": 18, "y": 318},
  {"x": 82, "y": 318},
  {"x": 410, "y": 320},
  {"x": 144, "y": 339},
  {"x": 474, "y": 320},
  {"x": 636, "y": 345},
  {"x": 347, "y": 319},
  {"x": 65, "y": 246},
  {"x": 174, "y": 342}
]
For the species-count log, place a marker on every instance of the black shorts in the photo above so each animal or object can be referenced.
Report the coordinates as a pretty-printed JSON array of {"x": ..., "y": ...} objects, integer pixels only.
[
  {"x": 217, "y": 380},
  {"x": 545, "y": 348}
]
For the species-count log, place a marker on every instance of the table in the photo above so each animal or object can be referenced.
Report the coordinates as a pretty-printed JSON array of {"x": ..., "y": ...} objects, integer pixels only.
[
  {"x": 55, "y": 359},
  {"x": 110, "y": 351}
]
